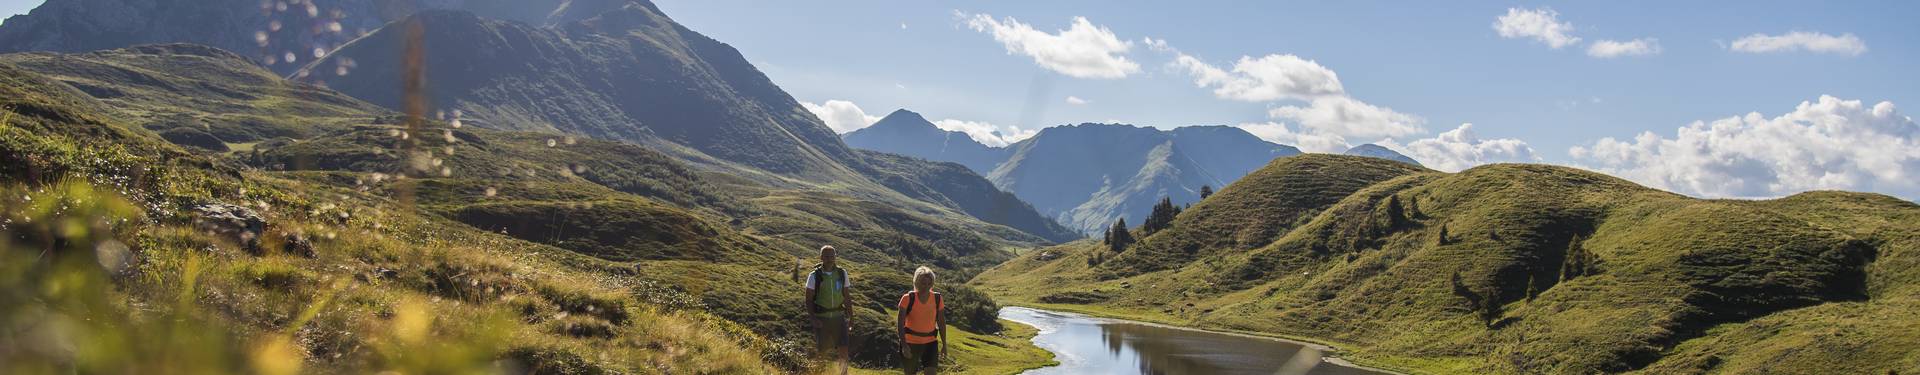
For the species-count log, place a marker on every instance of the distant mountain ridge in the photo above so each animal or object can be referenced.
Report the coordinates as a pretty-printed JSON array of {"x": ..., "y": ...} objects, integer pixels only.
[
  {"x": 1377, "y": 151},
  {"x": 907, "y": 133},
  {"x": 1087, "y": 175}
]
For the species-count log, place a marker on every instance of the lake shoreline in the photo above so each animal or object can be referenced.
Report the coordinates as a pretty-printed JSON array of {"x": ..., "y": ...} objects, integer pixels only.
[{"x": 1324, "y": 348}]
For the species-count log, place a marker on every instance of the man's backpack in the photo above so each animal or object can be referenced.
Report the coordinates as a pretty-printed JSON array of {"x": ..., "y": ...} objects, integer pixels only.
[{"x": 817, "y": 276}]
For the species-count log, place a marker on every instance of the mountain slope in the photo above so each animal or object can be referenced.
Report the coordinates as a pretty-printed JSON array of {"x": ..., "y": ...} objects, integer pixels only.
[
  {"x": 186, "y": 92},
  {"x": 907, "y": 133},
  {"x": 629, "y": 74},
  {"x": 88, "y": 25},
  {"x": 1515, "y": 268},
  {"x": 1375, "y": 151},
  {"x": 1089, "y": 175},
  {"x": 962, "y": 189}
]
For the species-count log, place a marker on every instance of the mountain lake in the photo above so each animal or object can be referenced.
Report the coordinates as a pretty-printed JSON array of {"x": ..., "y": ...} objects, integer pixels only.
[{"x": 1090, "y": 345}]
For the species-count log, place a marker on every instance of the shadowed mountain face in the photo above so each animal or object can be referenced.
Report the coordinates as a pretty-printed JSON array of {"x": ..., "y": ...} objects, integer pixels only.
[
  {"x": 907, "y": 133},
  {"x": 1376, "y": 151},
  {"x": 246, "y": 26},
  {"x": 628, "y": 74},
  {"x": 1089, "y": 175}
]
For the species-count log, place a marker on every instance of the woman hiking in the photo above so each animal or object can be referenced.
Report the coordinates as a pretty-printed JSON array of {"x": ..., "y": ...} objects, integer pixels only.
[{"x": 923, "y": 325}]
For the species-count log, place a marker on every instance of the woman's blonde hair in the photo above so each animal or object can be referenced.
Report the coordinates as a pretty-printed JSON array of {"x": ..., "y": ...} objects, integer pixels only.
[{"x": 923, "y": 272}]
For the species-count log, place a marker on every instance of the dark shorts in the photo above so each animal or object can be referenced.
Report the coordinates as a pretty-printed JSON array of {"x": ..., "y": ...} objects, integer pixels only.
[
  {"x": 829, "y": 335},
  {"x": 923, "y": 356}
]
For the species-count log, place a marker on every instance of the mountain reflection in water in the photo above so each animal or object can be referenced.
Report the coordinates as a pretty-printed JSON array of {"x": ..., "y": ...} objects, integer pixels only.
[{"x": 1086, "y": 345}]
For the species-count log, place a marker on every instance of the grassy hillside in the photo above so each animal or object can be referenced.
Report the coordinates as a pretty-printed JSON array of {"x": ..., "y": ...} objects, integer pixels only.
[
  {"x": 1514, "y": 268},
  {"x": 115, "y": 251},
  {"x": 956, "y": 186},
  {"x": 565, "y": 255}
]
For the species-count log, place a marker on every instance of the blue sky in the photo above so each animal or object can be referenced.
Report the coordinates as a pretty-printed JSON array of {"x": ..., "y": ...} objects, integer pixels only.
[
  {"x": 1668, "y": 108},
  {"x": 9, "y": 8},
  {"x": 1444, "y": 66}
]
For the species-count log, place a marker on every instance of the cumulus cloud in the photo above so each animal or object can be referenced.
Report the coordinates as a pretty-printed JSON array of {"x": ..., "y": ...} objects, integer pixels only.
[
  {"x": 1326, "y": 116},
  {"x": 1828, "y": 143},
  {"x": 1607, "y": 49},
  {"x": 1845, "y": 44},
  {"x": 1310, "y": 142},
  {"x": 841, "y": 116},
  {"x": 1083, "y": 50},
  {"x": 1268, "y": 78},
  {"x": 1075, "y": 100},
  {"x": 1346, "y": 117},
  {"x": 986, "y": 133},
  {"x": 1542, "y": 24},
  {"x": 1460, "y": 149}
]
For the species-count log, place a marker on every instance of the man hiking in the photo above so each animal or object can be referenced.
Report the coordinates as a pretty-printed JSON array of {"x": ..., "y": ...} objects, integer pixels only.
[
  {"x": 827, "y": 304},
  {"x": 923, "y": 325}
]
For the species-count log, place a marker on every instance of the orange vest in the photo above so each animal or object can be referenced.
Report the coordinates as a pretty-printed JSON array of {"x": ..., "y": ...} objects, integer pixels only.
[{"x": 922, "y": 325}]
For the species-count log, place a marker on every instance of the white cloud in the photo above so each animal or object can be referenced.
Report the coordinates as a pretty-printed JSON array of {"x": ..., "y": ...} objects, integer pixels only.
[
  {"x": 1824, "y": 144},
  {"x": 1845, "y": 44},
  {"x": 1326, "y": 120},
  {"x": 1268, "y": 78},
  {"x": 1158, "y": 45},
  {"x": 842, "y": 116},
  {"x": 903, "y": 25},
  {"x": 1346, "y": 117},
  {"x": 1607, "y": 49},
  {"x": 1460, "y": 149},
  {"x": 1075, "y": 100},
  {"x": 986, "y": 133},
  {"x": 1309, "y": 142},
  {"x": 1539, "y": 24},
  {"x": 1083, "y": 50}
]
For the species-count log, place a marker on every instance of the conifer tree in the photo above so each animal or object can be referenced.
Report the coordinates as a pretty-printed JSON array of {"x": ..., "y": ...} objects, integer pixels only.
[
  {"x": 1117, "y": 237},
  {"x": 1161, "y": 217},
  {"x": 1578, "y": 261}
]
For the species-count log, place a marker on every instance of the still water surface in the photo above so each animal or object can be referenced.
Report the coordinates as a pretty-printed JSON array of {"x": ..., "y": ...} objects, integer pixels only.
[{"x": 1088, "y": 345}]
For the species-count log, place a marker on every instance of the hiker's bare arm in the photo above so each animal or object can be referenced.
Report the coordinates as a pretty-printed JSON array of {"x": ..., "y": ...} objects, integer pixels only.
[
  {"x": 900, "y": 324},
  {"x": 940, "y": 317},
  {"x": 806, "y": 305},
  {"x": 846, "y": 306}
]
